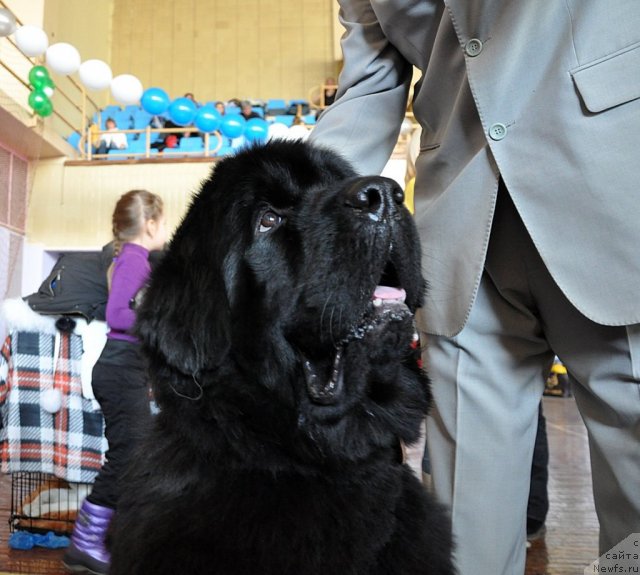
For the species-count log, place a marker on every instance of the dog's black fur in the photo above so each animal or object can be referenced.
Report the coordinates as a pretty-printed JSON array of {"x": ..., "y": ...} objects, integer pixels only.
[{"x": 284, "y": 393}]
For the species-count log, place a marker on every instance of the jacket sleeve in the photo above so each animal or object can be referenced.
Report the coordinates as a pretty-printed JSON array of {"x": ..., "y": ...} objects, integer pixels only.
[{"x": 364, "y": 121}]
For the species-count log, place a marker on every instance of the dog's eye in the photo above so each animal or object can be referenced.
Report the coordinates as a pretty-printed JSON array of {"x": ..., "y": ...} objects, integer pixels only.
[{"x": 268, "y": 221}]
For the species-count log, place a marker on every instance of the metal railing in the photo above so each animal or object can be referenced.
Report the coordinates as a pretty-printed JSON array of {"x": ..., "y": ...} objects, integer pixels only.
[{"x": 86, "y": 146}]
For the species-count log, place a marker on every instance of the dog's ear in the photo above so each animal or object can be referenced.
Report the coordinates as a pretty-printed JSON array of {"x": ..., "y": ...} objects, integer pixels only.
[{"x": 183, "y": 321}]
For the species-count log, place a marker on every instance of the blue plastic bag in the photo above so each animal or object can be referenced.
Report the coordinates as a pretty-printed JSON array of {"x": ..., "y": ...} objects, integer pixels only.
[{"x": 25, "y": 540}]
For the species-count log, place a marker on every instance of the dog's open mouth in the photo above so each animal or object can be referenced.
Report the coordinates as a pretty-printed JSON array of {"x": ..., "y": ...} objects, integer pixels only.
[{"x": 387, "y": 305}]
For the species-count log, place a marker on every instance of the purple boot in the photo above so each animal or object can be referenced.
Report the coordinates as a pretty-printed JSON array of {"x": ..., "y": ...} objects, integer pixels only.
[{"x": 87, "y": 552}]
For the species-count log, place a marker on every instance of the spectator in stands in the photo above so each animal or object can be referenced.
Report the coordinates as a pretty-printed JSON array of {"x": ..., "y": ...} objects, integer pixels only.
[
  {"x": 328, "y": 93},
  {"x": 93, "y": 135},
  {"x": 190, "y": 96},
  {"x": 298, "y": 129},
  {"x": 326, "y": 96},
  {"x": 112, "y": 139},
  {"x": 170, "y": 139},
  {"x": 219, "y": 106},
  {"x": 246, "y": 109}
]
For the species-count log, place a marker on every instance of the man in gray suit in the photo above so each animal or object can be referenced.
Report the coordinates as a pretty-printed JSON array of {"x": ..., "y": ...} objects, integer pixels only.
[{"x": 528, "y": 204}]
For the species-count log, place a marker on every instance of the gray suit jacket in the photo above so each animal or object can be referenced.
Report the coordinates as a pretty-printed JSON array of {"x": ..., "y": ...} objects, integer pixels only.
[{"x": 545, "y": 93}]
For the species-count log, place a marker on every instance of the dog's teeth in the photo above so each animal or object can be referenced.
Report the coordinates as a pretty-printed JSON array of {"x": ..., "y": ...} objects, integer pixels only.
[{"x": 377, "y": 302}]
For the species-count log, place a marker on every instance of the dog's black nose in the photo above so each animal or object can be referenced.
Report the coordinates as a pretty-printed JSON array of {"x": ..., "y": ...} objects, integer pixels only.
[{"x": 374, "y": 195}]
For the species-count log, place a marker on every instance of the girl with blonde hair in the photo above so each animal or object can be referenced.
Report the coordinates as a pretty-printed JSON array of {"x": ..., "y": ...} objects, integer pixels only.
[{"x": 119, "y": 379}]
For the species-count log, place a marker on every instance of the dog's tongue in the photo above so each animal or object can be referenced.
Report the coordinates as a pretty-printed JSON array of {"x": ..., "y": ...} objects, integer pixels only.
[{"x": 387, "y": 292}]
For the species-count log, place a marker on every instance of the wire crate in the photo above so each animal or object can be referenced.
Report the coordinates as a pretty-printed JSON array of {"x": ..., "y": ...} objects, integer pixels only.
[{"x": 41, "y": 502}]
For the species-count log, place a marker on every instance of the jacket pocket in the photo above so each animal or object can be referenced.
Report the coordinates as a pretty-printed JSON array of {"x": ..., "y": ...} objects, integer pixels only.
[{"x": 609, "y": 81}]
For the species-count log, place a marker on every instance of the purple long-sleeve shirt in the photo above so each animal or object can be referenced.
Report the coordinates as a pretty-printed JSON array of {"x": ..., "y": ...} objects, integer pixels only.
[{"x": 130, "y": 273}]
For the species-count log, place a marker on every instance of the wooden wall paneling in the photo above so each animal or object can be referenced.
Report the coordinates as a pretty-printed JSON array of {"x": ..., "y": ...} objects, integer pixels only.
[
  {"x": 72, "y": 205},
  {"x": 227, "y": 23},
  {"x": 248, "y": 46},
  {"x": 161, "y": 46},
  {"x": 293, "y": 51},
  {"x": 271, "y": 66},
  {"x": 142, "y": 35},
  {"x": 221, "y": 49},
  {"x": 184, "y": 63},
  {"x": 205, "y": 53}
]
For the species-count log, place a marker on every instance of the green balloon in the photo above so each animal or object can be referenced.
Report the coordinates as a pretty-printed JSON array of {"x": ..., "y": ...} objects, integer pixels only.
[
  {"x": 39, "y": 76},
  {"x": 46, "y": 109},
  {"x": 38, "y": 100}
]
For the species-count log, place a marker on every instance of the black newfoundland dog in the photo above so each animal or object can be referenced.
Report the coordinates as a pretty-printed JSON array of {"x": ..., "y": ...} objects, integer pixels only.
[{"x": 279, "y": 331}]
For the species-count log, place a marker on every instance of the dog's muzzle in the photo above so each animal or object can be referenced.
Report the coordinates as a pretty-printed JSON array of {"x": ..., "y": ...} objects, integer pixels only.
[
  {"x": 387, "y": 305},
  {"x": 325, "y": 392}
]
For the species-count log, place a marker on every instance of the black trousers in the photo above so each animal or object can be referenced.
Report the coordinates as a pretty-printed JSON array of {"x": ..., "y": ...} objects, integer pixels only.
[
  {"x": 120, "y": 385},
  {"x": 538, "y": 504}
]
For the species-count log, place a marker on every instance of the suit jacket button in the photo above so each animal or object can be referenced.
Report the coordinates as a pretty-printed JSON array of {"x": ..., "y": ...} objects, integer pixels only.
[
  {"x": 497, "y": 131},
  {"x": 473, "y": 47}
]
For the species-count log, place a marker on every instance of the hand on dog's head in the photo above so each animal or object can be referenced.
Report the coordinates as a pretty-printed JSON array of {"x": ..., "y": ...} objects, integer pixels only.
[{"x": 262, "y": 310}]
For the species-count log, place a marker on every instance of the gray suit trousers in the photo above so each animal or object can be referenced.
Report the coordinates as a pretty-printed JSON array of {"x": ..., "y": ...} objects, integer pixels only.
[{"x": 487, "y": 384}]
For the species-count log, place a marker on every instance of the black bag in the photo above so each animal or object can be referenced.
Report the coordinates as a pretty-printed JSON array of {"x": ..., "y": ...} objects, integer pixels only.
[{"x": 77, "y": 285}]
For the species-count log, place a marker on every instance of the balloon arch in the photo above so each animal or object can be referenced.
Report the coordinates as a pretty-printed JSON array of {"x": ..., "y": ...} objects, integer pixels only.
[{"x": 95, "y": 75}]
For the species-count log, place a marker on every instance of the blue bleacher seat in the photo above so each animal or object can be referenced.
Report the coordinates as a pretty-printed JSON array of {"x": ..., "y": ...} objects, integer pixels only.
[
  {"x": 231, "y": 109},
  {"x": 285, "y": 119},
  {"x": 276, "y": 106},
  {"x": 141, "y": 119},
  {"x": 132, "y": 109},
  {"x": 136, "y": 146},
  {"x": 74, "y": 139},
  {"x": 309, "y": 119},
  {"x": 123, "y": 120},
  {"x": 225, "y": 151},
  {"x": 191, "y": 144}
]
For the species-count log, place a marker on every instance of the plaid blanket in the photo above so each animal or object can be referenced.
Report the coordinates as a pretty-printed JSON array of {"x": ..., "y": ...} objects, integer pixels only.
[{"x": 69, "y": 443}]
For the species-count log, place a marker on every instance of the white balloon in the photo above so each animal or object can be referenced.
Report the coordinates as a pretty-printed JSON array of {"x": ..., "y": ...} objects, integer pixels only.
[
  {"x": 31, "y": 40},
  {"x": 277, "y": 131},
  {"x": 126, "y": 89},
  {"x": 297, "y": 133},
  {"x": 95, "y": 74},
  {"x": 63, "y": 58},
  {"x": 7, "y": 23}
]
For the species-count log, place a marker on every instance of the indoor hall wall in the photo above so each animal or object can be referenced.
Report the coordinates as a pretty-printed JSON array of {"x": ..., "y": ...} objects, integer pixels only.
[
  {"x": 221, "y": 49},
  {"x": 71, "y": 206},
  {"x": 85, "y": 25}
]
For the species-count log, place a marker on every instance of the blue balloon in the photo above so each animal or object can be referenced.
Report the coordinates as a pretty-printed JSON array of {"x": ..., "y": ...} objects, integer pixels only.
[
  {"x": 232, "y": 126},
  {"x": 182, "y": 111},
  {"x": 256, "y": 130},
  {"x": 155, "y": 101},
  {"x": 207, "y": 119}
]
